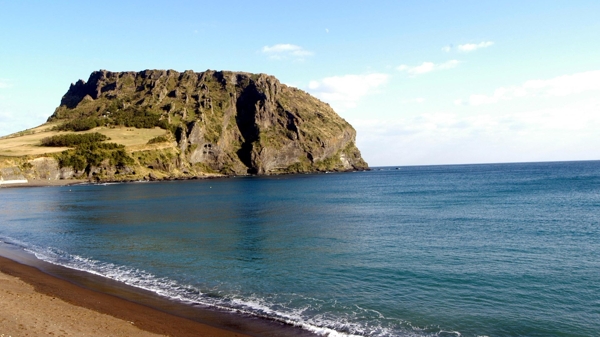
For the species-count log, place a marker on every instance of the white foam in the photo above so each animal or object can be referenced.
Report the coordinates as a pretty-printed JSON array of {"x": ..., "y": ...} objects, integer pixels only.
[{"x": 323, "y": 324}]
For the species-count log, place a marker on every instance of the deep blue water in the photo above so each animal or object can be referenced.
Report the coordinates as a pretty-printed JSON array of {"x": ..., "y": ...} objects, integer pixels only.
[{"x": 469, "y": 250}]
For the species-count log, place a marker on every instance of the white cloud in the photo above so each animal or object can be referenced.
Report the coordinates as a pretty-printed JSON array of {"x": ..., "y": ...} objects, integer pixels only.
[
  {"x": 286, "y": 50},
  {"x": 345, "y": 91},
  {"x": 563, "y": 132},
  {"x": 469, "y": 47},
  {"x": 558, "y": 86},
  {"x": 449, "y": 64},
  {"x": 427, "y": 67}
]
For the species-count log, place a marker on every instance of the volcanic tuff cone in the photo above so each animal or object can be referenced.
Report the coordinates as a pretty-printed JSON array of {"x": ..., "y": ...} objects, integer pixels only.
[{"x": 221, "y": 121}]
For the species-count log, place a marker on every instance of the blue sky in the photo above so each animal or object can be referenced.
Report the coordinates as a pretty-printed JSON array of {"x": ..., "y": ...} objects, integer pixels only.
[{"x": 423, "y": 82}]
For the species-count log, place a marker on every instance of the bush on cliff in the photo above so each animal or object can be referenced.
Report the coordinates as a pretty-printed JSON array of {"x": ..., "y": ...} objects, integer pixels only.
[
  {"x": 82, "y": 124},
  {"x": 132, "y": 118},
  {"x": 88, "y": 155},
  {"x": 73, "y": 139}
]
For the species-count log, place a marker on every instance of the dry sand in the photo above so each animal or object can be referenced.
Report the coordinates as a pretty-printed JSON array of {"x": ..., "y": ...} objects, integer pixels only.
[
  {"x": 36, "y": 304},
  {"x": 25, "y": 312}
]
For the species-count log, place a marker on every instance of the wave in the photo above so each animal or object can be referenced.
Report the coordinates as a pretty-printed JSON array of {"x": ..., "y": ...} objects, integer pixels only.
[{"x": 307, "y": 317}]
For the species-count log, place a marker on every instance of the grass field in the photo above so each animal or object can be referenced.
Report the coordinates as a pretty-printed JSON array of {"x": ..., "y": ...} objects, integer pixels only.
[{"x": 27, "y": 143}]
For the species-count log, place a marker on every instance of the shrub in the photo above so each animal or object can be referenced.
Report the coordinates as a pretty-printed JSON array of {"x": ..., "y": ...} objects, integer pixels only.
[
  {"x": 159, "y": 139},
  {"x": 136, "y": 118},
  {"x": 84, "y": 156},
  {"x": 73, "y": 139},
  {"x": 80, "y": 124}
]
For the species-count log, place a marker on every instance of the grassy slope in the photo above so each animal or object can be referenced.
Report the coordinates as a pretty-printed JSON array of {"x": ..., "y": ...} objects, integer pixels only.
[{"x": 27, "y": 143}]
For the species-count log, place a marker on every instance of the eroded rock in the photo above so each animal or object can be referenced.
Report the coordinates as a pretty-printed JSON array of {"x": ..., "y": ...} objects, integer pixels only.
[{"x": 228, "y": 122}]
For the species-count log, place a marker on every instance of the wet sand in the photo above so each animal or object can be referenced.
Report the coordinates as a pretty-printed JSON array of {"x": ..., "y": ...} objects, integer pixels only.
[{"x": 33, "y": 303}]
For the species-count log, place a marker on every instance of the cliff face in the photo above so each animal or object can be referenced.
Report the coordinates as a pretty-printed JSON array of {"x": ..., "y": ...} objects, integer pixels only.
[{"x": 227, "y": 122}]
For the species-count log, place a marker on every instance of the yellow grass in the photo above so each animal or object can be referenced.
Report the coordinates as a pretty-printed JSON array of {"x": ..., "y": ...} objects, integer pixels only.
[
  {"x": 129, "y": 136},
  {"x": 27, "y": 143}
]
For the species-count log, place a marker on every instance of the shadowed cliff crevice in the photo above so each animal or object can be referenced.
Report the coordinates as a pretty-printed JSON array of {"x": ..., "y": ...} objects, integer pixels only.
[{"x": 245, "y": 120}]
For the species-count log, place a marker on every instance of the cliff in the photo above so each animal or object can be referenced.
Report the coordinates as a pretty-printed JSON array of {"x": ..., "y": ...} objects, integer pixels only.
[
  {"x": 163, "y": 124},
  {"x": 227, "y": 122}
]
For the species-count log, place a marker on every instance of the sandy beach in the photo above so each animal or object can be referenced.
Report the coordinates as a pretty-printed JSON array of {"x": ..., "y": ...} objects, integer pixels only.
[
  {"x": 45, "y": 183},
  {"x": 33, "y": 303}
]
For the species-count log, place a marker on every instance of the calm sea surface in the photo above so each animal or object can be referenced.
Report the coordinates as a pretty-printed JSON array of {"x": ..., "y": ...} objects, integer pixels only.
[{"x": 468, "y": 250}]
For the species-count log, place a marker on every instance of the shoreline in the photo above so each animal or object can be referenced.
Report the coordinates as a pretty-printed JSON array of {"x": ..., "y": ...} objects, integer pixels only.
[
  {"x": 46, "y": 183},
  {"x": 145, "y": 319},
  {"x": 27, "y": 312},
  {"x": 148, "y": 312},
  {"x": 72, "y": 182}
]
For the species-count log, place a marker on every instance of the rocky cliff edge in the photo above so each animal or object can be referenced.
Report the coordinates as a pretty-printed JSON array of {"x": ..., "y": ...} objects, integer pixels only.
[{"x": 222, "y": 122}]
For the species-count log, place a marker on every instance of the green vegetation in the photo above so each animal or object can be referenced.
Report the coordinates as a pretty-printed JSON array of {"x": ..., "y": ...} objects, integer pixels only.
[
  {"x": 114, "y": 114},
  {"x": 191, "y": 149},
  {"x": 73, "y": 139},
  {"x": 88, "y": 152},
  {"x": 204, "y": 168},
  {"x": 271, "y": 138},
  {"x": 138, "y": 118},
  {"x": 82, "y": 124},
  {"x": 352, "y": 154},
  {"x": 25, "y": 166},
  {"x": 153, "y": 156},
  {"x": 302, "y": 166},
  {"x": 159, "y": 139},
  {"x": 162, "y": 159},
  {"x": 329, "y": 163},
  {"x": 227, "y": 169},
  {"x": 85, "y": 156}
]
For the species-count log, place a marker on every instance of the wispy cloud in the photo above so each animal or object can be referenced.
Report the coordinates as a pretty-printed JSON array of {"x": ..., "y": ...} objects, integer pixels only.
[
  {"x": 562, "y": 132},
  {"x": 345, "y": 91},
  {"x": 558, "y": 86},
  {"x": 468, "y": 47},
  {"x": 286, "y": 50},
  {"x": 427, "y": 67}
]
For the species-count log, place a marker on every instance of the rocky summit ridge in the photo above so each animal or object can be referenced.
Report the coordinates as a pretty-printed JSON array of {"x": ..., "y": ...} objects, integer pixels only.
[{"x": 222, "y": 122}]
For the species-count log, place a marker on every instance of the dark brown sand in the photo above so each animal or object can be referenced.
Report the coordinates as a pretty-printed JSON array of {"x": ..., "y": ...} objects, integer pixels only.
[{"x": 56, "y": 303}]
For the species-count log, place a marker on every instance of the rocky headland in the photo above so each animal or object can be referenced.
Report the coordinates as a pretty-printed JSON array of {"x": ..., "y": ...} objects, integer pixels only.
[{"x": 215, "y": 123}]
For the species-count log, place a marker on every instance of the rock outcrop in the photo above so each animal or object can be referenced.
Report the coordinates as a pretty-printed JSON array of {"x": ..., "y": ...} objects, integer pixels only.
[
  {"x": 225, "y": 122},
  {"x": 11, "y": 175}
]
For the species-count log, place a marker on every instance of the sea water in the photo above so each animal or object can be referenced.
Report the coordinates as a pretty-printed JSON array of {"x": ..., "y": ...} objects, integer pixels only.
[{"x": 465, "y": 250}]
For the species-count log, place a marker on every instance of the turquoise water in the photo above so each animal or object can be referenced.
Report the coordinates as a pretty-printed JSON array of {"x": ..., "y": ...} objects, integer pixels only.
[{"x": 467, "y": 250}]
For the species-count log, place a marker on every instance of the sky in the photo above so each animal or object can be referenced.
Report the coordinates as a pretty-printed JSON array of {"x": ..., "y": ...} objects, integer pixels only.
[{"x": 422, "y": 82}]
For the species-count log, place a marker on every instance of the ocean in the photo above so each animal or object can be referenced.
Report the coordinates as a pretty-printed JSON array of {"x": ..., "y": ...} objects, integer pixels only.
[{"x": 459, "y": 250}]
